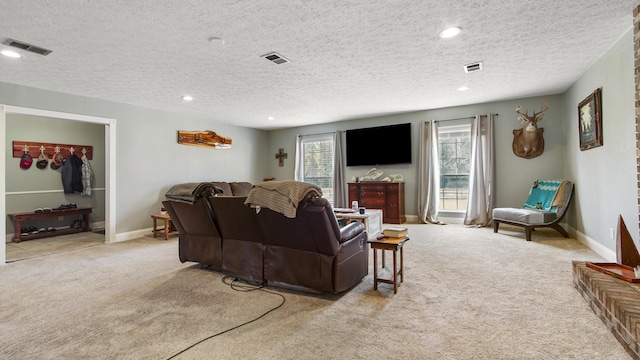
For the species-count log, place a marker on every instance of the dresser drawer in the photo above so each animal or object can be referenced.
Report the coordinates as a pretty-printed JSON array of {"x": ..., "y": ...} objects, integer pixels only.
[
  {"x": 393, "y": 212},
  {"x": 371, "y": 187},
  {"x": 372, "y": 201},
  {"x": 393, "y": 187},
  {"x": 372, "y": 193}
]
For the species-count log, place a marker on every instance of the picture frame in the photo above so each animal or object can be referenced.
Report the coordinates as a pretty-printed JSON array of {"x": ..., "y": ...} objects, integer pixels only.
[{"x": 590, "y": 121}]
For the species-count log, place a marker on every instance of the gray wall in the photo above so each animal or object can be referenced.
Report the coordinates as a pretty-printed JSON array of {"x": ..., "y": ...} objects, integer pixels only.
[
  {"x": 148, "y": 158},
  {"x": 605, "y": 176},
  {"x": 40, "y": 129},
  {"x": 514, "y": 175}
]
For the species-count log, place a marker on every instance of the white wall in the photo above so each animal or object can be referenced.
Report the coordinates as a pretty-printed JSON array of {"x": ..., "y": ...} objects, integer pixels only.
[
  {"x": 605, "y": 176},
  {"x": 148, "y": 158}
]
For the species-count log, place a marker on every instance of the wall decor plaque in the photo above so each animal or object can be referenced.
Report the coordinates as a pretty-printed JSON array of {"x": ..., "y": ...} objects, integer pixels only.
[{"x": 205, "y": 138}]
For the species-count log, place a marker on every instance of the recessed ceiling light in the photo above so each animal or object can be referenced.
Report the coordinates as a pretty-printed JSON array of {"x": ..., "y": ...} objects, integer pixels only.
[
  {"x": 450, "y": 32},
  {"x": 187, "y": 98},
  {"x": 11, "y": 54},
  {"x": 270, "y": 118},
  {"x": 463, "y": 88},
  {"x": 216, "y": 40}
]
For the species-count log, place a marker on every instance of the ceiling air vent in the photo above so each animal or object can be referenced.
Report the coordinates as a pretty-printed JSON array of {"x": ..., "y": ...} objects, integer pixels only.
[
  {"x": 473, "y": 67},
  {"x": 276, "y": 58},
  {"x": 27, "y": 47}
]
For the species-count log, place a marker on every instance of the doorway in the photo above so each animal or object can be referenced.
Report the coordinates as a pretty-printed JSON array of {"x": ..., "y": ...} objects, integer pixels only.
[{"x": 110, "y": 151}]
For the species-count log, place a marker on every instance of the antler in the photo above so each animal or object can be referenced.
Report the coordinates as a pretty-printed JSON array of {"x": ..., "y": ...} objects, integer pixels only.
[
  {"x": 545, "y": 107},
  {"x": 518, "y": 112}
]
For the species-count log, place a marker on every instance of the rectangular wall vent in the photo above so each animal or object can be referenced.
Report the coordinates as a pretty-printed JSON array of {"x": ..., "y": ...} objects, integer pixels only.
[
  {"x": 27, "y": 47},
  {"x": 477, "y": 66},
  {"x": 276, "y": 58}
]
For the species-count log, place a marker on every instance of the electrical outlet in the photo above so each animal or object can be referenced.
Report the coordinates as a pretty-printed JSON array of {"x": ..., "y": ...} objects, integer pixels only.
[{"x": 611, "y": 234}]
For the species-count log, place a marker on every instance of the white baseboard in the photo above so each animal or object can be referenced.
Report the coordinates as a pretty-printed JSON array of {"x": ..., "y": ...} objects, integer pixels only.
[
  {"x": 132, "y": 235},
  {"x": 608, "y": 254},
  {"x": 451, "y": 220},
  {"x": 415, "y": 219}
]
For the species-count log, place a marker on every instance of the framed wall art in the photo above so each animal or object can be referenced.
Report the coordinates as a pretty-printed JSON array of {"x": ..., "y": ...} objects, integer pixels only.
[{"x": 590, "y": 121}]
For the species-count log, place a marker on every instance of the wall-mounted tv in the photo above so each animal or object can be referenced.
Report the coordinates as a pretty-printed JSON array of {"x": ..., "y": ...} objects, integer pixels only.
[{"x": 380, "y": 145}]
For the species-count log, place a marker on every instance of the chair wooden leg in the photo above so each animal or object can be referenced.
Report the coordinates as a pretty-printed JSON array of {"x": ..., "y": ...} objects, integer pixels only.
[
  {"x": 527, "y": 232},
  {"x": 496, "y": 223},
  {"x": 559, "y": 229}
]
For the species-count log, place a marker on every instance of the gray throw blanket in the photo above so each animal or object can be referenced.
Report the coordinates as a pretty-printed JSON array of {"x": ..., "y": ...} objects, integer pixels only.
[
  {"x": 190, "y": 192},
  {"x": 280, "y": 196}
]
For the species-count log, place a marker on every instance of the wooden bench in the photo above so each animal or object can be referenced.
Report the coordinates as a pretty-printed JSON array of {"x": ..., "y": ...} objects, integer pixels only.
[{"x": 19, "y": 218}]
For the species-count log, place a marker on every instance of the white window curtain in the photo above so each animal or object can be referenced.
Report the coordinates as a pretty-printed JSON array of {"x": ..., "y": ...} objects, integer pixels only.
[
  {"x": 298, "y": 169},
  {"x": 339, "y": 197},
  {"x": 480, "y": 202},
  {"x": 428, "y": 173}
]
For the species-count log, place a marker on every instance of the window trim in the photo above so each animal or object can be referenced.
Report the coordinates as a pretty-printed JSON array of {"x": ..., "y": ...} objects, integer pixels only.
[
  {"x": 456, "y": 126},
  {"x": 299, "y": 172}
]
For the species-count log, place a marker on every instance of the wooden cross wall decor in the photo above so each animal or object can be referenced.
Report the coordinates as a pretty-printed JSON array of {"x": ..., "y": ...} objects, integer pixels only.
[{"x": 281, "y": 155}]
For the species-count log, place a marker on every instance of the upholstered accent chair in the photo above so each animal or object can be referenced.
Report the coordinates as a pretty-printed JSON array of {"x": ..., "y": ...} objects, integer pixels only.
[{"x": 546, "y": 206}]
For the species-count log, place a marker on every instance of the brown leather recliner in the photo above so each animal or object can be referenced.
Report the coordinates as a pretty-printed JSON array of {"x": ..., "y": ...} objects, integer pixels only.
[
  {"x": 243, "y": 242},
  {"x": 310, "y": 252},
  {"x": 199, "y": 238}
]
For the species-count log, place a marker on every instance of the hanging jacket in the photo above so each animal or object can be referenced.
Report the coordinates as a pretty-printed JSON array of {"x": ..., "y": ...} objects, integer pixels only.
[
  {"x": 87, "y": 176},
  {"x": 72, "y": 175}
]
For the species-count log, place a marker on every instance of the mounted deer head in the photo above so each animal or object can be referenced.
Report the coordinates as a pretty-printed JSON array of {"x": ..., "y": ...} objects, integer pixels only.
[{"x": 528, "y": 141}]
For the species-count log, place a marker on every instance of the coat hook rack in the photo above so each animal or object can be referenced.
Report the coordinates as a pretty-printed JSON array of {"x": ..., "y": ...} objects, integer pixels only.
[{"x": 34, "y": 149}]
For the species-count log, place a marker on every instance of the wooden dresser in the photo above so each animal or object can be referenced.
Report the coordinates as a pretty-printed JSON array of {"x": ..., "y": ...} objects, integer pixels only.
[{"x": 383, "y": 195}]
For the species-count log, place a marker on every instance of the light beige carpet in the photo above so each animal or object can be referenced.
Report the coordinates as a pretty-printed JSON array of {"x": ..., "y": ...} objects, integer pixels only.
[
  {"x": 51, "y": 245},
  {"x": 468, "y": 294}
]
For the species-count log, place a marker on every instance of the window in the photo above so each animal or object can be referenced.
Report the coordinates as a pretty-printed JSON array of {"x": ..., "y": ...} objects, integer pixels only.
[
  {"x": 454, "y": 149},
  {"x": 316, "y": 162}
]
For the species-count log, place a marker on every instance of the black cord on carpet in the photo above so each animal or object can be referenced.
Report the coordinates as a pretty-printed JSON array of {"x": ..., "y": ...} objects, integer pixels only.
[{"x": 237, "y": 285}]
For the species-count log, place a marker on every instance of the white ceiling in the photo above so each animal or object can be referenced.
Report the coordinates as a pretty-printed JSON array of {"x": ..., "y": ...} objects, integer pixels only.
[{"x": 349, "y": 58}]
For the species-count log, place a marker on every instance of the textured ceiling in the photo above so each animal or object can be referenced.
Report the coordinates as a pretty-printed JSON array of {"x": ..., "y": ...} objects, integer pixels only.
[{"x": 349, "y": 58}]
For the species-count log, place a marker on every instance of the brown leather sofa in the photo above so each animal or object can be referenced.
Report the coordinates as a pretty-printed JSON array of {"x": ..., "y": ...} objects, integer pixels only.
[
  {"x": 241, "y": 188},
  {"x": 308, "y": 253}
]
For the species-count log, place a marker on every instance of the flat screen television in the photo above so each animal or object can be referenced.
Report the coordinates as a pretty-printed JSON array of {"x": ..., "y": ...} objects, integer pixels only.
[{"x": 380, "y": 145}]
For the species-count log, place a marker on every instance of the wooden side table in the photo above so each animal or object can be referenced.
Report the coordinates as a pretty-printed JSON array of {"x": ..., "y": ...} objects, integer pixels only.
[
  {"x": 393, "y": 244},
  {"x": 167, "y": 225}
]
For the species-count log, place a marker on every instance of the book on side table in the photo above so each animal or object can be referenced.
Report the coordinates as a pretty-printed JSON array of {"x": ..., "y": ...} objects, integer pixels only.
[{"x": 395, "y": 231}]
